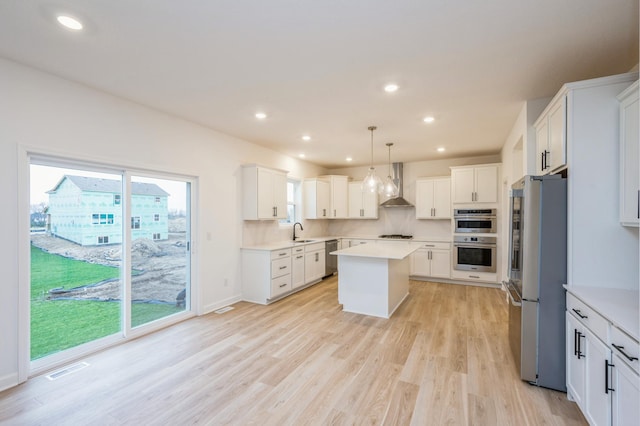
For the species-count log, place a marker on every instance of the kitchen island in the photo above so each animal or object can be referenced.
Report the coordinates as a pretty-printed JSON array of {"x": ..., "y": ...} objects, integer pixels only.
[{"x": 373, "y": 279}]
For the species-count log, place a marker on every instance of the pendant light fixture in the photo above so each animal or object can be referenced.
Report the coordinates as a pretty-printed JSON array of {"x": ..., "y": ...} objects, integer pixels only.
[
  {"x": 390, "y": 188},
  {"x": 372, "y": 182}
]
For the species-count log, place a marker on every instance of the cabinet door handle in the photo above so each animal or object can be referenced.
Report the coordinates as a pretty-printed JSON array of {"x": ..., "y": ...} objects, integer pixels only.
[
  {"x": 620, "y": 349},
  {"x": 283, "y": 267},
  {"x": 638, "y": 203},
  {"x": 299, "y": 257},
  {"x": 577, "y": 311},
  {"x": 282, "y": 254},
  {"x": 324, "y": 212},
  {"x": 334, "y": 213},
  {"x": 606, "y": 376},
  {"x": 547, "y": 156},
  {"x": 317, "y": 257},
  {"x": 580, "y": 354},
  {"x": 542, "y": 160},
  {"x": 575, "y": 341},
  {"x": 282, "y": 285},
  {"x": 474, "y": 276}
]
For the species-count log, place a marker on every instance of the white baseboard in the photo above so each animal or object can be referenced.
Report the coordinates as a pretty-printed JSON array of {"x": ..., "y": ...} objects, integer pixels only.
[
  {"x": 9, "y": 381},
  {"x": 221, "y": 304}
]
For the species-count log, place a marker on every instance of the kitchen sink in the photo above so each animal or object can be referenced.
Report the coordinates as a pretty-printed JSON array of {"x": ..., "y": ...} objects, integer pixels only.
[{"x": 303, "y": 241}]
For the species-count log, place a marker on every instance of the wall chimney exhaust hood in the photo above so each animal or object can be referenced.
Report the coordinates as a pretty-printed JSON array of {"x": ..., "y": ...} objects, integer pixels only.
[{"x": 399, "y": 201}]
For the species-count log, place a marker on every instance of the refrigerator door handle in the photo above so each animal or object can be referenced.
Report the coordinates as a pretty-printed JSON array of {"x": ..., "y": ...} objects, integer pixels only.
[{"x": 511, "y": 292}]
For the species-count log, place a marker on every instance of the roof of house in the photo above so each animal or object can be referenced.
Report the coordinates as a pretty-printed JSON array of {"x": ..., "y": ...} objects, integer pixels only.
[{"x": 91, "y": 184}]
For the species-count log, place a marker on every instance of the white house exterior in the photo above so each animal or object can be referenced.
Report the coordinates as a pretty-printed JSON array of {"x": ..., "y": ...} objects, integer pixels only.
[{"x": 88, "y": 211}]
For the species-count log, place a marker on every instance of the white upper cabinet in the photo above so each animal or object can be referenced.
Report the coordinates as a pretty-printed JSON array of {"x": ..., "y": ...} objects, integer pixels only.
[
  {"x": 316, "y": 194},
  {"x": 339, "y": 197},
  {"x": 326, "y": 197},
  {"x": 362, "y": 205},
  {"x": 629, "y": 157},
  {"x": 433, "y": 198},
  {"x": 474, "y": 184},
  {"x": 264, "y": 193},
  {"x": 551, "y": 137}
]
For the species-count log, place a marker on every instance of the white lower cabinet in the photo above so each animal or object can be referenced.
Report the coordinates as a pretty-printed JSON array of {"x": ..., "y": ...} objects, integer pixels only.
[
  {"x": 350, "y": 242},
  {"x": 431, "y": 260},
  {"x": 625, "y": 407},
  {"x": 268, "y": 275},
  {"x": 597, "y": 407},
  {"x": 602, "y": 367},
  {"x": 297, "y": 267},
  {"x": 314, "y": 262}
]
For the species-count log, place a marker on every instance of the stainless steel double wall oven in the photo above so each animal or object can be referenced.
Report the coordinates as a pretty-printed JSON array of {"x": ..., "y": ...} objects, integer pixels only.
[{"x": 475, "y": 252}]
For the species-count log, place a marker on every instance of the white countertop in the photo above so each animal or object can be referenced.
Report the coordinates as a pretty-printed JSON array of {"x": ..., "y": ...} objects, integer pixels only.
[
  {"x": 288, "y": 244},
  {"x": 382, "y": 251},
  {"x": 617, "y": 305},
  {"x": 278, "y": 245}
]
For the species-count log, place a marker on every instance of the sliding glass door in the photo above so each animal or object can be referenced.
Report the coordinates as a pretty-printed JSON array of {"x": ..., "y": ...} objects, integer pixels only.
[
  {"x": 86, "y": 224},
  {"x": 159, "y": 248}
]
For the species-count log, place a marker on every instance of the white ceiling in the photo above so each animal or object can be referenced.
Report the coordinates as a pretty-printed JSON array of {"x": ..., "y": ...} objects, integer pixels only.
[{"x": 318, "y": 67}]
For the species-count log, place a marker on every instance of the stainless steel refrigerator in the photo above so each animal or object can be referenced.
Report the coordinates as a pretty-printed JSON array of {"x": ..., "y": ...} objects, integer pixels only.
[{"x": 538, "y": 269}]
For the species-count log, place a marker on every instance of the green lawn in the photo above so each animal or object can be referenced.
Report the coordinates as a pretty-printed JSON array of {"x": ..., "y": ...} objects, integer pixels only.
[{"x": 62, "y": 324}]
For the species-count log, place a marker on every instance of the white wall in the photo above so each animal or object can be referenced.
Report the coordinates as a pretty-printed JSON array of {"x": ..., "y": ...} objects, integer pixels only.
[
  {"x": 403, "y": 220},
  {"x": 47, "y": 114}
]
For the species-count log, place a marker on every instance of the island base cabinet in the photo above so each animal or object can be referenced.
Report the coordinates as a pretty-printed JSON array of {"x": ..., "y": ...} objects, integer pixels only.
[{"x": 372, "y": 286}]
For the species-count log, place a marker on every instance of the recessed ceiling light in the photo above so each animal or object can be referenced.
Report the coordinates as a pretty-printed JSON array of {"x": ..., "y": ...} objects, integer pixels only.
[
  {"x": 306, "y": 138},
  {"x": 441, "y": 149},
  {"x": 261, "y": 115},
  {"x": 69, "y": 22},
  {"x": 391, "y": 87},
  {"x": 428, "y": 119},
  {"x": 349, "y": 159},
  {"x": 301, "y": 155}
]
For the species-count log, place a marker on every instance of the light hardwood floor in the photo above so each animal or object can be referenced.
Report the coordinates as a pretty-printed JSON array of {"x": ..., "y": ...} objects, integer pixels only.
[{"x": 443, "y": 358}]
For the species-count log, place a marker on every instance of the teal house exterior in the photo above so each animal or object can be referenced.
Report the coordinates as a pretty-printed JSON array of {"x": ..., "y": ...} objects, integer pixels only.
[{"x": 88, "y": 211}]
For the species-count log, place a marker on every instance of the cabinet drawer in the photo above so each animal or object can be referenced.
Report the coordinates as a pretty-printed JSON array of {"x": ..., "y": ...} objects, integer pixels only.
[
  {"x": 313, "y": 247},
  {"x": 280, "y": 285},
  {"x": 440, "y": 246},
  {"x": 587, "y": 316},
  {"x": 280, "y": 267},
  {"x": 279, "y": 254},
  {"x": 626, "y": 347}
]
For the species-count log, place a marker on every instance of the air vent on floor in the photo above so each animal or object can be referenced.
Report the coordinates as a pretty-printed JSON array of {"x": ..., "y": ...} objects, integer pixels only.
[
  {"x": 223, "y": 310},
  {"x": 67, "y": 370}
]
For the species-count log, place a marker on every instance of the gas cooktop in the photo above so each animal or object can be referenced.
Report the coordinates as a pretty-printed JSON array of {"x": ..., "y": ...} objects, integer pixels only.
[{"x": 396, "y": 236}]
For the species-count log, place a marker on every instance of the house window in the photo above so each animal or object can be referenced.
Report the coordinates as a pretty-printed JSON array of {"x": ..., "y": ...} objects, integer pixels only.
[
  {"x": 135, "y": 222},
  {"x": 103, "y": 240},
  {"x": 157, "y": 199},
  {"x": 293, "y": 202},
  {"x": 116, "y": 199},
  {"x": 156, "y": 236},
  {"x": 156, "y": 217},
  {"x": 102, "y": 219}
]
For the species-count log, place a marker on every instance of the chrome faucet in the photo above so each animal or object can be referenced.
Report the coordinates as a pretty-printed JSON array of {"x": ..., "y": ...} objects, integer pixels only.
[{"x": 294, "y": 229}]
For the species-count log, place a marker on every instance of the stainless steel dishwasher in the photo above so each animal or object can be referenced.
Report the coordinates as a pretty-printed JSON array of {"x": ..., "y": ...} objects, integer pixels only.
[{"x": 331, "y": 261}]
